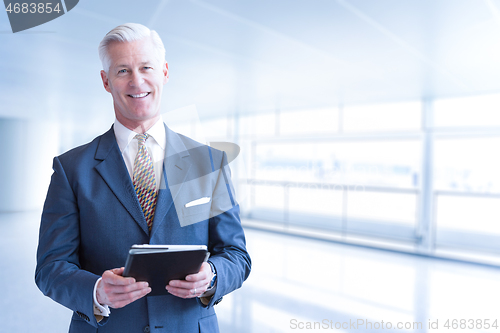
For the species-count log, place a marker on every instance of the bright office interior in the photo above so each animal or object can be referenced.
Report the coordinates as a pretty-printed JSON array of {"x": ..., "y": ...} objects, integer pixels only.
[{"x": 369, "y": 133}]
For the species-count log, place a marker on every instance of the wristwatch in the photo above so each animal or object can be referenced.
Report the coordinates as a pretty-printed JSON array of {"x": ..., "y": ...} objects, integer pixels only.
[{"x": 214, "y": 278}]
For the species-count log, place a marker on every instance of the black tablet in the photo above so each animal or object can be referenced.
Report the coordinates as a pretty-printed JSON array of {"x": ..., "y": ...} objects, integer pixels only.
[{"x": 158, "y": 264}]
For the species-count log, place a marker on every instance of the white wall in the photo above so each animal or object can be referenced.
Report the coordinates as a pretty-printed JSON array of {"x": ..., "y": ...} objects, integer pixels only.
[{"x": 26, "y": 152}]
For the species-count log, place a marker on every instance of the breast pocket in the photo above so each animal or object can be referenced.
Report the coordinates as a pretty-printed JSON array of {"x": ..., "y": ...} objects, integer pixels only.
[{"x": 198, "y": 206}]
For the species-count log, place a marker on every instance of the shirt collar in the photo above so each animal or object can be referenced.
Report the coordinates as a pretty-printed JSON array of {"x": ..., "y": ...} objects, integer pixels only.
[{"x": 124, "y": 135}]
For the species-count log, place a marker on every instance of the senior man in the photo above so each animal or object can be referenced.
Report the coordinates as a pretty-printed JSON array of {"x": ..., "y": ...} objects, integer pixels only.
[{"x": 138, "y": 183}]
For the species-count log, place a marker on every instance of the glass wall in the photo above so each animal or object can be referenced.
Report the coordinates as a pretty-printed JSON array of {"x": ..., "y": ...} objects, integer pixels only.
[
  {"x": 466, "y": 172},
  {"x": 421, "y": 173}
]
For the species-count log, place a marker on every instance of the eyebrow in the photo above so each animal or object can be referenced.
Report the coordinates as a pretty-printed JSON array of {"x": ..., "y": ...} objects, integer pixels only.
[{"x": 142, "y": 63}]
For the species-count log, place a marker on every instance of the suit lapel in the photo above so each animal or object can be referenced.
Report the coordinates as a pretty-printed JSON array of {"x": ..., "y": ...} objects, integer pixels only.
[
  {"x": 163, "y": 204},
  {"x": 176, "y": 167},
  {"x": 176, "y": 164},
  {"x": 114, "y": 172}
]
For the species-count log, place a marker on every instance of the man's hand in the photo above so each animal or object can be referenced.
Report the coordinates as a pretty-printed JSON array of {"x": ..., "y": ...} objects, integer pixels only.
[
  {"x": 194, "y": 285},
  {"x": 117, "y": 291}
]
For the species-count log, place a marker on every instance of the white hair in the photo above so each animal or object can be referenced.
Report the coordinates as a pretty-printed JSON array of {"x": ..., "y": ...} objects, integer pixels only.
[{"x": 129, "y": 32}]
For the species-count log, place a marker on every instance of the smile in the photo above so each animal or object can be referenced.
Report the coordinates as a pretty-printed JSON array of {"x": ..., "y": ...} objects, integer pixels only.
[{"x": 140, "y": 95}]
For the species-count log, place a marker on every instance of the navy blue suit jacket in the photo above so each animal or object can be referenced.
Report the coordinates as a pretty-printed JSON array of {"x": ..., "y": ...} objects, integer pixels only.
[{"x": 92, "y": 216}]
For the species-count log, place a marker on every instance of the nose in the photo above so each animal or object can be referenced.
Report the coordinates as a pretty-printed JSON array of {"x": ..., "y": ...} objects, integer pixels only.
[{"x": 136, "y": 79}]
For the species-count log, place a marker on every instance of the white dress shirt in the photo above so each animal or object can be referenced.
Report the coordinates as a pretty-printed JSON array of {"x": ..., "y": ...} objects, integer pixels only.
[
  {"x": 155, "y": 145},
  {"x": 128, "y": 147}
]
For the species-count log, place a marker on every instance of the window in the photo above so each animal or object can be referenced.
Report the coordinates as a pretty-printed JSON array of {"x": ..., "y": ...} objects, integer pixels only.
[
  {"x": 360, "y": 170},
  {"x": 383, "y": 117}
]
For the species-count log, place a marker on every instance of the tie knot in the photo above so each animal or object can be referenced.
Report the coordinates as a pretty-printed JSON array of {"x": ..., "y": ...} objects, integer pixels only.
[{"x": 142, "y": 138}]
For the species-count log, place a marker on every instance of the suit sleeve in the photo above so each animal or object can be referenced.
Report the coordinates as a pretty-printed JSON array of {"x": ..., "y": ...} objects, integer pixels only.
[
  {"x": 58, "y": 272},
  {"x": 226, "y": 237}
]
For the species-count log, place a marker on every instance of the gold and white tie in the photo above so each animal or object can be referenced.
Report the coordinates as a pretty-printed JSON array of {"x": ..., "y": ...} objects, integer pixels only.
[{"x": 144, "y": 180}]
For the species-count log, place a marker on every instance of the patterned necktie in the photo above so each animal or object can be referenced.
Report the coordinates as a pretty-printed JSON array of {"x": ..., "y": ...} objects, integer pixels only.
[{"x": 144, "y": 180}]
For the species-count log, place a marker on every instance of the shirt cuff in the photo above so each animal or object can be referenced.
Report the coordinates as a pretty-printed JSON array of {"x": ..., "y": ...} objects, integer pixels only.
[
  {"x": 99, "y": 310},
  {"x": 209, "y": 292}
]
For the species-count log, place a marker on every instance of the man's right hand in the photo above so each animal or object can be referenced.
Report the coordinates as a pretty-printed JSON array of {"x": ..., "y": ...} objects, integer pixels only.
[{"x": 117, "y": 291}]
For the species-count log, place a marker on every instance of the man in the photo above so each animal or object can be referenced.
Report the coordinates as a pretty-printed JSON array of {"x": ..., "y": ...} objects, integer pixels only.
[{"x": 138, "y": 183}]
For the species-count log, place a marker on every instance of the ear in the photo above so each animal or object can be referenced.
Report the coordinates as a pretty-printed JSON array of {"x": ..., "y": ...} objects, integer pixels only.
[
  {"x": 105, "y": 81},
  {"x": 165, "y": 73}
]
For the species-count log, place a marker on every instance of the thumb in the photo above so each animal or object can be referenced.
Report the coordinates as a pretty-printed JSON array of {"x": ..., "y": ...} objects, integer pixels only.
[{"x": 118, "y": 271}]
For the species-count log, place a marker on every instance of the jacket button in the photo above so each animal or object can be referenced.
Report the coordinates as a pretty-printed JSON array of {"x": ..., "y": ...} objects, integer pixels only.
[{"x": 146, "y": 329}]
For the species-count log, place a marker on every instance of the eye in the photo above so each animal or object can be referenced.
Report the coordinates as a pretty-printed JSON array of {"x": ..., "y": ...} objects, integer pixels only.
[
  {"x": 122, "y": 71},
  {"x": 147, "y": 67}
]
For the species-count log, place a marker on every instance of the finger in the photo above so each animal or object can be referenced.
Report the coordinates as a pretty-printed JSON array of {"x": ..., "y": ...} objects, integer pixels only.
[
  {"x": 204, "y": 273},
  {"x": 197, "y": 277},
  {"x": 185, "y": 293},
  {"x": 184, "y": 284},
  {"x": 195, "y": 291},
  {"x": 125, "y": 289},
  {"x": 111, "y": 278},
  {"x": 118, "y": 271},
  {"x": 120, "y": 300},
  {"x": 188, "y": 286},
  {"x": 127, "y": 293}
]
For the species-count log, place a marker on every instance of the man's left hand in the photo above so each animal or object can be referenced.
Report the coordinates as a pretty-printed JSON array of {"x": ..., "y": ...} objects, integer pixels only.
[{"x": 194, "y": 285}]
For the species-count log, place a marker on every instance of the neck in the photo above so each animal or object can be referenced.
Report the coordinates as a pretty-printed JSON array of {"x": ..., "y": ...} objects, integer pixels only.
[{"x": 141, "y": 126}]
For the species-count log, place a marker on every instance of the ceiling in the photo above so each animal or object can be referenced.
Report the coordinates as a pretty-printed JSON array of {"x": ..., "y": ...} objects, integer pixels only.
[{"x": 245, "y": 56}]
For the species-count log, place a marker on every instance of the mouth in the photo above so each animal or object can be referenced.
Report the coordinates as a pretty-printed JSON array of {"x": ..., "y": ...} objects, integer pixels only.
[{"x": 141, "y": 95}]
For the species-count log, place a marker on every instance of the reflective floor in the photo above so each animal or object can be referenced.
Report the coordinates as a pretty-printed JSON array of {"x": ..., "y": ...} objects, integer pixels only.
[{"x": 295, "y": 285}]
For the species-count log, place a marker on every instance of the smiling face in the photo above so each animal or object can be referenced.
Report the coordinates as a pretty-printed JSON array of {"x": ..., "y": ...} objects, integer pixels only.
[{"x": 135, "y": 79}]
